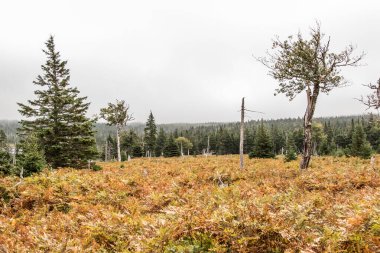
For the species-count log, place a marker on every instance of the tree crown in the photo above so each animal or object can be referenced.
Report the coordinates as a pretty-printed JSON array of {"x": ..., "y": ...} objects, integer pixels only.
[
  {"x": 298, "y": 63},
  {"x": 116, "y": 114}
]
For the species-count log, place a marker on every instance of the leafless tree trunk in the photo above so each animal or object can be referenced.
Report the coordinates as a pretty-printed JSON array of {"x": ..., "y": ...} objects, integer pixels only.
[
  {"x": 118, "y": 128},
  {"x": 373, "y": 162},
  {"x": 208, "y": 146},
  {"x": 106, "y": 152},
  {"x": 307, "y": 143},
  {"x": 14, "y": 155},
  {"x": 242, "y": 134}
]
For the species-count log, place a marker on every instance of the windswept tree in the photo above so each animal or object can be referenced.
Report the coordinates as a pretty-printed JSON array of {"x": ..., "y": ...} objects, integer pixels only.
[
  {"x": 57, "y": 116},
  {"x": 308, "y": 65},
  {"x": 117, "y": 115},
  {"x": 372, "y": 100}
]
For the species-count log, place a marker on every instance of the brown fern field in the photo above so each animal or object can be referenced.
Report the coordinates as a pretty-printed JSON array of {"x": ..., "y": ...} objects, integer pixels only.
[{"x": 195, "y": 204}]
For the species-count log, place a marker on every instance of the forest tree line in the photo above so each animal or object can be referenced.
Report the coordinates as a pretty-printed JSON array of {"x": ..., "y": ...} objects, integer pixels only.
[
  {"x": 337, "y": 136},
  {"x": 350, "y": 136}
]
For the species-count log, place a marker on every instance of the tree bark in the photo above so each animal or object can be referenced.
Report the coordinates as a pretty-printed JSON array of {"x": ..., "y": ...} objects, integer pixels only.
[
  {"x": 308, "y": 119},
  {"x": 106, "y": 151},
  {"x": 118, "y": 143},
  {"x": 208, "y": 145},
  {"x": 242, "y": 135}
]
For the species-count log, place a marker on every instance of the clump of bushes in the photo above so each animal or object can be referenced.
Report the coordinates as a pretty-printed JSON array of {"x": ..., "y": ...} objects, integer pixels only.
[{"x": 95, "y": 167}]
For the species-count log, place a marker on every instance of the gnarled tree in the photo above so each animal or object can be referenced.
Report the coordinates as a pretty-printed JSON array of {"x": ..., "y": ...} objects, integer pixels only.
[
  {"x": 117, "y": 115},
  {"x": 301, "y": 64}
]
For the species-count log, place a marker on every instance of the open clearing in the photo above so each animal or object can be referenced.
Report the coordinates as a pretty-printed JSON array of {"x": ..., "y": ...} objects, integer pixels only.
[{"x": 195, "y": 205}]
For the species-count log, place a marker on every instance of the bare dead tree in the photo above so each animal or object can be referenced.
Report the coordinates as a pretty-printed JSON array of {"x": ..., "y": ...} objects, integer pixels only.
[
  {"x": 106, "y": 151},
  {"x": 373, "y": 162},
  {"x": 242, "y": 111},
  {"x": 208, "y": 146},
  {"x": 242, "y": 119},
  {"x": 372, "y": 100},
  {"x": 308, "y": 65}
]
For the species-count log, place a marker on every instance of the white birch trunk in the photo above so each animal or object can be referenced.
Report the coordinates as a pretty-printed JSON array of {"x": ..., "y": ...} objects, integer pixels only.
[{"x": 118, "y": 143}]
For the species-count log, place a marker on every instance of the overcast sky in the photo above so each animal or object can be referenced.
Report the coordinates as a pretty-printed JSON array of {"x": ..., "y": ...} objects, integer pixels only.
[{"x": 187, "y": 61}]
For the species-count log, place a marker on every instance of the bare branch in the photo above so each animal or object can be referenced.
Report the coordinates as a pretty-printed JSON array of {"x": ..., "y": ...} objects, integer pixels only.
[{"x": 372, "y": 100}]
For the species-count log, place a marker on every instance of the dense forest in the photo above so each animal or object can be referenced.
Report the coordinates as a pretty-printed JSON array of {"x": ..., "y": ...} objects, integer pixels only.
[{"x": 332, "y": 136}]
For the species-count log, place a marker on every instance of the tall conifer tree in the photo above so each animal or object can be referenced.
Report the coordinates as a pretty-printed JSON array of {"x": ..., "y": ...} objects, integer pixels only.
[
  {"x": 160, "y": 143},
  {"x": 360, "y": 146},
  {"x": 150, "y": 135},
  {"x": 291, "y": 153},
  {"x": 58, "y": 115},
  {"x": 5, "y": 158},
  {"x": 263, "y": 144},
  {"x": 171, "y": 149}
]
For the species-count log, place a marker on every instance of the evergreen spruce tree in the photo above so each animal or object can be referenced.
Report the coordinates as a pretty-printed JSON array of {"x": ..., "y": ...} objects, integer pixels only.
[
  {"x": 352, "y": 130},
  {"x": 30, "y": 157},
  {"x": 5, "y": 158},
  {"x": 249, "y": 140},
  {"x": 137, "y": 151},
  {"x": 3, "y": 140},
  {"x": 150, "y": 135},
  {"x": 324, "y": 148},
  {"x": 6, "y": 167},
  {"x": 263, "y": 144},
  {"x": 171, "y": 149},
  {"x": 58, "y": 115},
  {"x": 360, "y": 146},
  {"x": 111, "y": 148},
  {"x": 298, "y": 139},
  {"x": 328, "y": 145},
  {"x": 372, "y": 131},
  {"x": 160, "y": 142},
  {"x": 129, "y": 140},
  {"x": 290, "y": 149},
  {"x": 278, "y": 139},
  {"x": 223, "y": 142}
]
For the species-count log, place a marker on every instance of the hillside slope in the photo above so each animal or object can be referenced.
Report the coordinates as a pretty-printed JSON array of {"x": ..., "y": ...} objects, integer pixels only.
[{"x": 195, "y": 205}]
